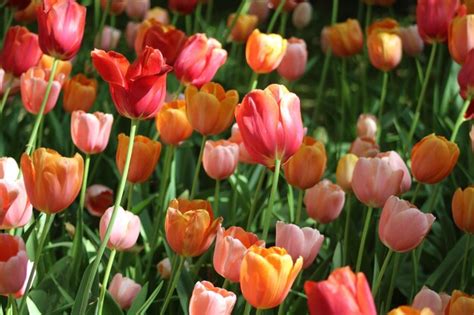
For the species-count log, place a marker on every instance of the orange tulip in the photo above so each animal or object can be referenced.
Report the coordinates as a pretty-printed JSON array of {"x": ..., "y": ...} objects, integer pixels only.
[
  {"x": 344, "y": 171},
  {"x": 172, "y": 123},
  {"x": 460, "y": 304},
  {"x": 190, "y": 226},
  {"x": 211, "y": 109},
  {"x": 266, "y": 276},
  {"x": 343, "y": 39},
  {"x": 384, "y": 44},
  {"x": 146, "y": 153},
  {"x": 306, "y": 167},
  {"x": 433, "y": 158},
  {"x": 52, "y": 181},
  {"x": 264, "y": 52},
  {"x": 79, "y": 93},
  {"x": 463, "y": 209},
  {"x": 244, "y": 26},
  {"x": 407, "y": 310},
  {"x": 461, "y": 35},
  {"x": 64, "y": 67}
]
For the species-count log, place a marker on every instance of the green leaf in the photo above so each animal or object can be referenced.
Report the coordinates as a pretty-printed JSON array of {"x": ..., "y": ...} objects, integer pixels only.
[
  {"x": 81, "y": 295},
  {"x": 150, "y": 300},
  {"x": 139, "y": 300}
]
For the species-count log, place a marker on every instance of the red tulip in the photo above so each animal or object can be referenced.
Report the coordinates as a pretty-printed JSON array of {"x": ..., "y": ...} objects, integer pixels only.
[
  {"x": 466, "y": 82},
  {"x": 182, "y": 6},
  {"x": 433, "y": 18},
  {"x": 61, "y": 27},
  {"x": 138, "y": 90}
]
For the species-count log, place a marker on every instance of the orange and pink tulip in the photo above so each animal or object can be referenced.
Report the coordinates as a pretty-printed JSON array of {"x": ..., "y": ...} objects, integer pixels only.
[
  {"x": 462, "y": 207},
  {"x": 264, "y": 52},
  {"x": 125, "y": 230},
  {"x": 13, "y": 264},
  {"x": 91, "y": 132},
  {"x": 324, "y": 201},
  {"x": 220, "y": 158},
  {"x": 123, "y": 290},
  {"x": 210, "y": 300}
]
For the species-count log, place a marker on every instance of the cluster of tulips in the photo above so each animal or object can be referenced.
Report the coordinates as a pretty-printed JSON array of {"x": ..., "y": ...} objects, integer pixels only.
[{"x": 60, "y": 259}]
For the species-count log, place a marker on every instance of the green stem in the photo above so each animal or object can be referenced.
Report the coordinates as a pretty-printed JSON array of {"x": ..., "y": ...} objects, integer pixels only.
[
  {"x": 299, "y": 206},
  {"x": 391, "y": 287},
  {"x": 189, "y": 24},
  {"x": 130, "y": 197},
  {"x": 4, "y": 99},
  {"x": 460, "y": 119},
  {"x": 253, "y": 205},
  {"x": 102, "y": 21},
  {"x": 96, "y": 13},
  {"x": 88, "y": 285},
  {"x": 7, "y": 21},
  {"x": 283, "y": 22},
  {"x": 175, "y": 18},
  {"x": 335, "y": 8},
  {"x": 346, "y": 231},
  {"x": 247, "y": 309},
  {"x": 267, "y": 215},
  {"x": 322, "y": 82},
  {"x": 240, "y": 11},
  {"x": 368, "y": 216},
  {"x": 379, "y": 278},
  {"x": 382, "y": 101},
  {"x": 253, "y": 81},
  {"x": 414, "y": 259},
  {"x": 216, "y": 198},
  {"x": 105, "y": 281},
  {"x": 259, "y": 311},
  {"x": 174, "y": 282},
  {"x": 210, "y": 6},
  {"x": 415, "y": 194},
  {"x": 198, "y": 168},
  {"x": 275, "y": 16},
  {"x": 39, "y": 117},
  {"x": 281, "y": 308},
  {"x": 464, "y": 276},
  {"x": 197, "y": 17}
]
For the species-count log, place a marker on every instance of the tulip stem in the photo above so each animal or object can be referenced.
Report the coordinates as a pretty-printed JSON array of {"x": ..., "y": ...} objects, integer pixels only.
[
  {"x": 422, "y": 93},
  {"x": 197, "y": 17},
  {"x": 103, "y": 289},
  {"x": 216, "y": 197},
  {"x": 460, "y": 119},
  {"x": 130, "y": 197},
  {"x": 88, "y": 285},
  {"x": 198, "y": 168},
  {"x": 178, "y": 91},
  {"x": 174, "y": 282},
  {"x": 415, "y": 194},
  {"x": 175, "y": 18},
  {"x": 319, "y": 96},
  {"x": 7, "y": 21},
  {"x": 414, "y": 260},
  {"x": 247, "y": 309},
  {"x": 267, "y": 215},
  {"x": 283, "y": 22},
  {"x": 253, "y": 81},
  {"x": 299, "y": 205},
  {"x": 275, "y": 16},
  {"x": 382, "y": 102},
  {"x": 96, "y": 13},
  {"x": 391, "y": 287},
  {"x": 368, "y": 216},
  {"x": 240, "y": 11},
  {"x": 189, "y": 24},
  {"x": 253, "y": 205},
  {"x": 44, "y": 235},
  {"x": 4, "y": 99},
  {"x": 346, "y": 231},
  {"x": 259, "y": 311},
  {"x": 378, "y": 280},
  {"x": 464, "y": 276},
  {"x": 102, "y": 21},
  {"x": 12, "y": 306},
  {"x": 39, "y": 117},
  {"x": 210, "y": 7}
]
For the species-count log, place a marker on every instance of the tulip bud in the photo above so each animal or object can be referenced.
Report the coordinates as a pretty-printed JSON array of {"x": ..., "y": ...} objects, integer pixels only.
[
  {"x": 125, "y": 230},
  {"x": 463, "y": 209},
  {"x": 98, "y": 199},
  {"x": 397, "y": 163},
  {"x": 108, "y": 39},
  {"x": 70, "y": 229},
  {"x": 367, "y": 126},
  {"x": 289, "y": 5},
  {"x": 123, "y": 290},
  {"x": 220, "y": 158},
  {"x": 433, "y": 18},
  {"x": 173, "y": 124},
  {"x": 384, "y": 45},
  {"x": 13, "y": 264},
  {"x": 324, "y": 201},
  {"x": 164, "y": 268},
  {"x": 427, "y": 298},
  {"x": 64, "y": 66},
  {"x": 344, "y": 171},
  {"x": 466, "y": 82},
  {"x": 302, "y": 15},
  {"x": 260, "y": 8},
  {"x": 91, "y": 132},
  {"x": 28, "y": 14},
  {"x": 461, "y": 35},
  {"x": 208, "y": 299},
  {"x": 116, "y": 7},
  {"x": 364, "y": 147},
  {"x": 182, "y": 6},
  {"x": 411, "y": 41},
  {"x": 407, "y": 310},
  {"x": 264, "y": 52},
  {"x": 136, "y": 9},
  {"x": 79, "y": 93},
  {"x": 243, "y": 27},
  {"x": 343, "y": 39},
  {"x": 293, "y": 64}
]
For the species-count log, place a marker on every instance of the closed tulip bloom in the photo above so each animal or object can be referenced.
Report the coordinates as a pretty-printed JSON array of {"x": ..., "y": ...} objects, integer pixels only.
[
  {"x": 116, "y": 7},
  {"x": 231, "y": 247},
  {"x": 146, "y": 153},
  {"x": 51, "y": 180},
  {"x": 123, "y": 290},
  {"x": 299, "y": 242},
  {"x": 210, "y": 300},
  {"x": 125, "y": 230},
  {"x": 324, "y": 201},
  {"x": 460, "y": 303},
  {"x": 411, "y": 40},
  {"x": 79, "y": 93},
  {"x": 91, "y": 132},
  {"x": 63, "y": 66},
  {"x": 159, "y": 14},
  {"x": 190, "y": 226},
  {"x": 13, "y": 264},
  {"x": 343, "y": 293},
  {"x": 236, "y": 137},
  {"x": 466, "y": 82},
  {"x": 364, "y": 147},
  {"x": 260, "y": 8},
  {"x": 306, "y": 167},
  {"x": 367, "y": 126},
  {"x": 345, "y": 170},
  {"x": 407, "y": 310},
  {"x": 462, "y": 207},
  {"x": 164, "y": 268},
  {"x": 33, "y": 84},
  {"x": 293, "y": 64},
  {"x": 385, "y": 49},
  {"x": 17, "y": 39},
  {"x": 98, "y": 199},
  {"x": 137, "y": 9},
  {"x": 61, "y": 27},
  {"x": 29, "y": 269},
  {"x": 182, "y": 6},
  {"x": 220, "y": 158},
  {"x": 461, "y": 35},
  {"x": 210, "y": 110},
  {"x": 270, "y": 124},
  {"x": 172, "y": 123},
  {"x": 15, "y": 208},
  {"x": 433, "y": 18},
  {"x": 397, "y": 215},
  {"x": 244, "y": 26},
  {"x": 131, "y": 33},
  {"x": 397, "y": 163},
  {"x": 302, "y": 15},
  {"x": 138, "y": 90},
  {"x": 266, "y": 276},
  {"x": 433, "y": 158},
  {"x": 427, "y": 298},
  {"x": 343, "y": 39},
  {"x": 264, "y": 52},
  {"x": 8, "y": 168},
  {"x": 108, "y": 39},
  {"x": 199, "y": 60}
]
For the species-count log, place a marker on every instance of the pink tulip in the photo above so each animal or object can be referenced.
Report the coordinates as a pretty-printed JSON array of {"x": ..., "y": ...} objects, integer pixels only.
[
  {"x": 33, "y": 85},
  {"x": 137, "y": 9},
  {"x": 230, "y": 249},
  {"x": 13, "y": 264},
  {"x": 124, "y": 290},
  {"x": 220, "y": 158},
  {"x": 29, "y": 269},
  {"x": 260, "y": 8},
  {"x": 98, "y": 199},
  {"x": 244, "y": 156},
  {"x": 400, "y": 215},
  {"x": 299, "y": 242},
  {"x": 15, "y": 207},
  {"x": 131, "y": 33},
  {"x": 164, "y": 268},
  {"x": 125, "y": 230},
  {"x": 210, "y": 300},
  {"x": 430, "y": 299},
  {"x": 109, "y": 38},
  {"x": 367, "y": 126},
  {"x": 293, "y": 64},
  {"x": 8, "y": 168},
  {"x": 412, "y": 42},
  {"x": 3, "y": 84},
  {"x": 398, "y": 164},
  {"x": 324, "y": 201},
  {"x": 91, "y": 132},
  {"x": 364, "y": 147}
]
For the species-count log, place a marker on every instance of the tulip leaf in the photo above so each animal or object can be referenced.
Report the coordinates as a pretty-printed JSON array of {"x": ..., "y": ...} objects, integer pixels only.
[
  {"x": 81, "y": 295},
  {"x": 138, "y": 301},
  {"x": 32, "y": 308},
  {"x": 142, "y": 310}
]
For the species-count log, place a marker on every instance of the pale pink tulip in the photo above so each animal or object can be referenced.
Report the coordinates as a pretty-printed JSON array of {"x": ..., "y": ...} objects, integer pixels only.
[
  {"x": 8, "y": 168},
  {"x": 13, "y": 264},
  {"x": 124, "y": 290},
  {"x": 136, "y": 9},
  {"x": 15, "y": 207},
  {"x": 293, "y": 64},
  {"x": 91, "y": 132},
  {"x": 29, "y": 269},
  {"x": 430, "y": 299},
  {"x": 164, "y": 268},
  {"x": 364, "y": 147},
  {"x": 98, "y": 199},
  {"x": 109, "y": 38},
  {"x": 367, "y": 126},
  {"x": 220, "y": 158},
  {"x": 125, "y": 231},
  {"x": 210, "y": 300},
  {"x": 324, "y": 201},
  {"x": 398, "y": 164},
  {"x": 131, "y": 33},
  {"x": 412, "y": 42}
]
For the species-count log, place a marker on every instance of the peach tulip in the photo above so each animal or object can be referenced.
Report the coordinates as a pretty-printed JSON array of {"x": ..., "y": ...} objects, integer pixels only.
[
  {"x": 244, "y": 26},
  {"x": 398, "y": 164},
  {"x": 460, "y": 303},
  {"x": 427, "y": 298},
  {"x": 108, "y": 39},
  {"x": 302, "y": 15},
  {"x": 91, "y": 132},
  {"x": 210, "y": 300},
  {"x": 98, "y": 199},
  {"x": 244, "y": 156},
  {"x": 164, "y": 268},
  {"x": 220, "y": 158},
  {"x": 125, "y": 230},
  {"x": 64, "y": 66},
  {"x": 172, "y": 123},
  {"x": 264, "y": 52},
  {"x": 293, "y": 65},
  {"x": 79, "y": 93},
  {"x": 123, "y": 290},
  {"x": 136, "y": 9},
  {"x": 116, "y": 7},
  {"x": 364, "y": 147},
  {"x": 8, "y": 168},
  {"x": 345, "y": 170},
  {"x": 367, "y": 126},
  {"x": 462, "y": 207},
  {"x": 461, "y": 35},
  {"x": 324, "y": 201},
  {"x": 411, "y": 41},
  {"x": 15, "y": 208},
  {"x": 13, "y": 264},
  {"x": 343, "y": 39}
]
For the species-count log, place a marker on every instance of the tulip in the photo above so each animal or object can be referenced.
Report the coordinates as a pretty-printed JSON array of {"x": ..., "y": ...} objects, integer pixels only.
[
  {"x": 384, "y": 45},
  {"x": 266, "y": 276},
  {"x": 460, "y": 303},
  {"x": 244, "y": 156},
  {"x": 33, "y": 87},
  {"x": 146, "y": 153},
  {"x": 19, "y": 39},
  {"x": 138, "y": 90},
  {"x": 345, "y": 170},
  {"x": 302, "y": 15},
  {"x": 61, "y": 27},
  {"x": 210, "y": 300},
  {"x": 412, "y": 43},
  {"x": 324, "y": 201},
  {"x": 231, "y": 246},
  {"x": 260, "y": 8},
  {"x": 164, "y": 268},
  {"x": 243, "y": 27},
  {"x": 173, "y": 124},
  {"x": 79, "y": 93},
  {"x": 466, "y": 80},
  {"x": 28, "y": 14},
  {"x": 137, "y": 9},
  {"x": 270, "y": 124},
  {"x": 220, "y": 158},
  {"x": 63, "y": 66},
  {"x": 293, "y": 64},
  {"x": 427, "y": 298},
  {"x": 29, "y": 269},
  {"x": 460, "y": 35},
  {"x": 91, "y": 132},
  {"x": 159, "y": 14},
  {"x": 433, "y": 18},
  {"x": 343, "y": 293},
  {"x": 182, "y": 6},
  {"x": 264, "y": 52},
  {"x": 98, "y": 199},
  {"x": 190, "y": 226},
  {"x": 116, "y": 7},
  {"x": 289, "y": 5},
  {"x": 367, "y": 126},
  {"x": 124, "y": 290},
  {"x": 15, "y": 208},
  {"x": 433, "y": 158},
  {"x": 125, "y": 230},
  {"x": 13, "y": 264},
  {"x": 108, "y": 39},
  {"x": 52, "y": 182},
  {"x": 211, "y": 109},
  {"x": 199, "y": 60},
  {"x": 407, "y": 310},
  {"x": 343, "y": 39},
  {"x": 398, "y": 164},
  {"x": 398, "y": 214},
  {"x": 18, "y": 4},
  {"x": 462, "y": 207},
  {"x": 131, "y": 33},
  {"x": 8, "y": 168},
  {"x": 364, "y": 147}
]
